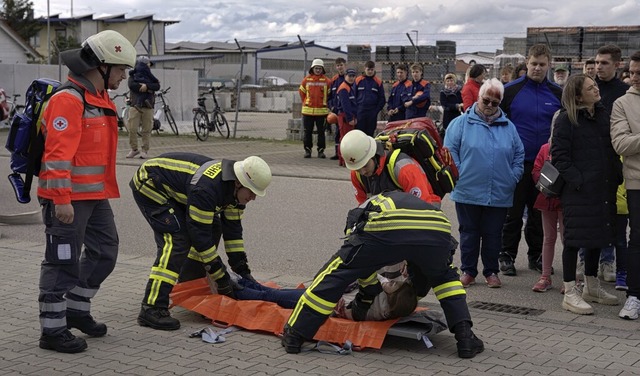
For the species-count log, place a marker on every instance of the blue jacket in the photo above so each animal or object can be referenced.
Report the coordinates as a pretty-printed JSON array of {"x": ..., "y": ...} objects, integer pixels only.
[
  {"x": 333, "y": 103},
  {"x": 530, "y": 106},
  {"x": 421, "y": 104},
  {"x": 490, "y": 159},
  {"x": 347, "y": 103},
  {"x": 396, "y": 99},
  {"x": 369, "y": 93}
]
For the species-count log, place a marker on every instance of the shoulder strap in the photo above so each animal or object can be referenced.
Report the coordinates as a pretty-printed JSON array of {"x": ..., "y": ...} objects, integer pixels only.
[{"x": 390, "y": 166}]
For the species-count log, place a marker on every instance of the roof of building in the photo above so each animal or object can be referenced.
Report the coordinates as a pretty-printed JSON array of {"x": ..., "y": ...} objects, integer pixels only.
[{"x": 29, "y": 51}]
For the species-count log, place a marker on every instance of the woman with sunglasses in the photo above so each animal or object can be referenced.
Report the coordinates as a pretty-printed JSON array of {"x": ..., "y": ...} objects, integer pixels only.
[{"x": 490, "y": 158}]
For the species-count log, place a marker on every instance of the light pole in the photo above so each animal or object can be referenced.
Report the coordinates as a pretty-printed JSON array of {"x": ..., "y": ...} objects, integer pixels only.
[
  {"x": 417, "y": 44},
  {"x": 48, "y": 34}
]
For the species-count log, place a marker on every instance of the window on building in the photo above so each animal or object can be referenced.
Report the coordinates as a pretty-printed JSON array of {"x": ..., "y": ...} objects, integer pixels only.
[
  {"x": 281, "y": 64},
  {"x": 34, "y": 41}
]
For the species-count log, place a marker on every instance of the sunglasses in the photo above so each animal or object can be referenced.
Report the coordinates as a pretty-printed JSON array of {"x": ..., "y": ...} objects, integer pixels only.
[{"x": 486, "y": 102}]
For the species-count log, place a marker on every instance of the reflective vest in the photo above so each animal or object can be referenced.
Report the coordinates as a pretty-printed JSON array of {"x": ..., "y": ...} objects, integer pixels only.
[{"x": 81, "y": 139}]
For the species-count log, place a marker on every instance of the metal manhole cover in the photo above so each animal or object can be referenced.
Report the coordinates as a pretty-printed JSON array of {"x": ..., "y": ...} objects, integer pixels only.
[{"x": 505, "y": 308}]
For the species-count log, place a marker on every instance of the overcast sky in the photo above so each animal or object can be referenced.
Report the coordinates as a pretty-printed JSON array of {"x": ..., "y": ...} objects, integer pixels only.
[{"x": 474, "y": 25}]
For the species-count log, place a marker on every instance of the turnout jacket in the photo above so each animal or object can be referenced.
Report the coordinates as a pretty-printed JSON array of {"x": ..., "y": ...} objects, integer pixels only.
[
  {"x": 314, "y": 92},
  {"x": 81, "y": 138},
  {"x": 205, "y": 188}
]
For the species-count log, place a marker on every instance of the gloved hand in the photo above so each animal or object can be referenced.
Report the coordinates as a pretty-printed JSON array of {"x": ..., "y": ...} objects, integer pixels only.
[
  {"x": 359, "y": 309},
  {"x": 248, "y": 277},
  {"x": 225, "y": 287}
]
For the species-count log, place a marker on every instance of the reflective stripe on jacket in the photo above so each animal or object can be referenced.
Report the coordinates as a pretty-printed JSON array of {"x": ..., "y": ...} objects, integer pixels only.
[
  {"x": 314, "y": 92},
  {"x": 81, "y": 138}
]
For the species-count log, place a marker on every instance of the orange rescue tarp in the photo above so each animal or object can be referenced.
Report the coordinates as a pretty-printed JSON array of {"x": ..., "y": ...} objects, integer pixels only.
[{"x": 269, "y": 317}]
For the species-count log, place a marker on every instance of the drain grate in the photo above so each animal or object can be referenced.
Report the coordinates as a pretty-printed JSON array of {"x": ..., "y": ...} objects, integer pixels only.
[{"x": 505, "y": 308}]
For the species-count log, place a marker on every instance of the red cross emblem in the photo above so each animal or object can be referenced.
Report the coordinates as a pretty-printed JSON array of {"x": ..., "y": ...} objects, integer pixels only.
[
  {"x": 352, "y": 160},
  {"x": 118, "y": 49},
  {"x": 59, "y": 123}
]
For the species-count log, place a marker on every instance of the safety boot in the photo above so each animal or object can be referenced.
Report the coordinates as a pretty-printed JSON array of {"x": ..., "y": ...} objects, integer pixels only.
[
  {"x": 573, "y": 301},
  {"x": 87, "y": 325},
  {"x": 64, "y": 342},
  {"x": 307, "y": 153},
  {"x": 321, "y": 154},
  {"x": 157, "y": 318},
  {"x": 468, "y": 344},
  {"x": 291, "y": 340},
  {"x": 593, "y": 292},
  {"x": 335, "y": 156}
]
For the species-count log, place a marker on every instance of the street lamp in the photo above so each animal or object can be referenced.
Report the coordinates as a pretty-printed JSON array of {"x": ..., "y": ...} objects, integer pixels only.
[{"x": 417, "y": 44}]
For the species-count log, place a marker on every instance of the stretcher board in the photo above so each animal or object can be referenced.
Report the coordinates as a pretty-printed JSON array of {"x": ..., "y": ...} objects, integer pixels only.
[{"x": 269, "y": 317}]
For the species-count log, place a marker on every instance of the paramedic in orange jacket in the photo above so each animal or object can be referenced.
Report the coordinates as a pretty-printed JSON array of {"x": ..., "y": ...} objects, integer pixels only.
[
  {"x": 314, "y": 92},
  {"x": 371, "y": 168},
  {"x": 77, "y": 179}
]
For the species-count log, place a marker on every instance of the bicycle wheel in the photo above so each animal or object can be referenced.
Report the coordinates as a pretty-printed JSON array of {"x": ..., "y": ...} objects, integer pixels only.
[
  {"x": 200, "y": 127},
  {"x": 221, "y": 124},
  {"x": 171, "y": 120}
]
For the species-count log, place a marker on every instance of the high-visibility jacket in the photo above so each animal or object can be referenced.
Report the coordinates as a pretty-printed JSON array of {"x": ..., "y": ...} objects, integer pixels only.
[
  {"x": 81, "y": 138},
  {"x": 408, "y": 174},
  {"x": 206, "y": 189},
  {"x": 314, "y": 92}
]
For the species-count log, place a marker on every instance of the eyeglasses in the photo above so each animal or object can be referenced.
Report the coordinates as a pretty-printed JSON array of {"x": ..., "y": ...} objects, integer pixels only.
[{"x": 486, "y": 102}]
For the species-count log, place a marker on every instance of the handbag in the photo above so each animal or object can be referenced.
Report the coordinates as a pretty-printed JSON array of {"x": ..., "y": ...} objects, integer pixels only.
[{"x": 550, "y": 183}]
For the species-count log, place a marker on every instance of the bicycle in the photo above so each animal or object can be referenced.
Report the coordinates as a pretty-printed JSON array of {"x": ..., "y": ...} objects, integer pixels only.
[
  {"x": 123, "y": 114},
  {"x": 164, "y": 108},
  {"x": 14, "y": 108},
  {"x": 202, "y": 124}
]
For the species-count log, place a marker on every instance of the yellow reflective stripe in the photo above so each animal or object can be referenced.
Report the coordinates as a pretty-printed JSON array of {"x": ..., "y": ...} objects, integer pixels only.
[
  {"x": 194, "y": 255},
  {"x": 231, "y": 246},
  {"x": 209, "y": 255},
  {"x": 301, "y": 303},
  {"x": 233, "y": 214},
  {"x": 391, "y": 164},
  {"x": 163, "y": 275},
  {"x": 166, "y": 250},
  {"x": 201, "y": 216},
  {"x": 317, "y": 304},
  {"x": 406, "y": 225},
  {"x": 448, "y": 289},
  {"x": 178, "y": 196},
  {"x": 217, "y": 274},
  {"x": 172, "y": 164},
  {"x": 369, "y": 281}
]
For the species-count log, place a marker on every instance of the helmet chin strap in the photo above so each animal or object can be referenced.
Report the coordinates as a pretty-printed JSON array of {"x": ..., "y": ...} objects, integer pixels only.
[{"x": 105, "y": 76}]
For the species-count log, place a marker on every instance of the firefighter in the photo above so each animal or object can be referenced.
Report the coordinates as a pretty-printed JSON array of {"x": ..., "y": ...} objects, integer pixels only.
[
  {"x": 190, "y": 201},
  {"x": 418, "y": 233},
  {"x": 371, "y": 167}
]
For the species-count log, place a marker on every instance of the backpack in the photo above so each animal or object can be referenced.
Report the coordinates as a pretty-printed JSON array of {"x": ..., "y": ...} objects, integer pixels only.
[
  {"x": 419, "y": 138},
  {"x": 26, "y": 141}
]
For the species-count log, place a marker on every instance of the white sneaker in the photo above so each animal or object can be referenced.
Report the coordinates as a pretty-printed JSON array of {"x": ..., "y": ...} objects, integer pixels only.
[
  {"x": 608, "y": 272},
  {"x": 630, "y": 309},
  {"x": 143, "y": 155},
  {"x": 133, "y": 153}
]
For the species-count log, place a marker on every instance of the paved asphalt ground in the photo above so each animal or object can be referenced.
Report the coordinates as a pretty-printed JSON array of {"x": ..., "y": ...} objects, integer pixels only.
[{"x": 289, "y": 234}]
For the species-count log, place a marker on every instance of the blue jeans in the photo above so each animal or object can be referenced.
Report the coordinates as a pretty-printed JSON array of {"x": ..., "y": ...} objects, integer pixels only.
[
  {"x": 480, "y": 224},
  {"x": 285, "y": 298}
]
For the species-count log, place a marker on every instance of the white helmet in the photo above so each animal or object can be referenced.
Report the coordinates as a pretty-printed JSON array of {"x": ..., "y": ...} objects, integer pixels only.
[
  {"x": 253, "y": 173},
  {"x": 110, "y": 47},
  {"x": 317, "y": 63},
  {"x": 106, "y": 47},
  {"x": 357, "y": 148}
]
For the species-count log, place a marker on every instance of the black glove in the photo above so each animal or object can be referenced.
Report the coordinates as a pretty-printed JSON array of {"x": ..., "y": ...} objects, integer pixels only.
[
  {"x": 248, "y": 277},
  {"x": 359, "y": 309},
  {"x": 225, "y": 287}
]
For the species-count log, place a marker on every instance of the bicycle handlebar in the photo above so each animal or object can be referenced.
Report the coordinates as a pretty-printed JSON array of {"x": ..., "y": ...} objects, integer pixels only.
[{"x": 165, "y": 91}]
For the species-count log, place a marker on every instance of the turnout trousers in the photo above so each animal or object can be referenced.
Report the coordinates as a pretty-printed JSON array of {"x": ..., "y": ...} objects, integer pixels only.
[
  {"x": 70, "y": 276},
  {"x": 359, "y": 258},
  {"x": 173, "y": 244}
]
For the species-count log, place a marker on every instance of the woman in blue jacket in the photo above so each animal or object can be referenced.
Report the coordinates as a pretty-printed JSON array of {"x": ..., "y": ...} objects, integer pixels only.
[{"x": 490, "y": 158}]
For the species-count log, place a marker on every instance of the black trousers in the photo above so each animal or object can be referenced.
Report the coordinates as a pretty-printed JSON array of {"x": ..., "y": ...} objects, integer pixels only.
[
  {"x": 360, "y": 258},
  {"x": 524, "y": 196},
  {"x": 308, "y": 122}
]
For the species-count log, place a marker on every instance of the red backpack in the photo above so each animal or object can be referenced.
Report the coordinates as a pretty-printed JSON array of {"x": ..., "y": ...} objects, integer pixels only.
[{"x": 419, "y": 138}]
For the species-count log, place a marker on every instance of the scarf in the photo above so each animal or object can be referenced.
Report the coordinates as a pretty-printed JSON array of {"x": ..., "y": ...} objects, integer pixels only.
[
  {"x": 488, "y": 119},
  {"x": 449, "y": 91}
]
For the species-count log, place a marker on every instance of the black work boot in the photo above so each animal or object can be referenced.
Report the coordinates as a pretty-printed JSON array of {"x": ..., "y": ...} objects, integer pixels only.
[
  {"x": 468, "y": 344},
  {"x": 291, "y": 340},
  {"x": 335, "y": 157},
  {"x": 64, "y": 342},
  {"x": 87, "y": 325},
  {"x": 307, "y": 153},
  {"x": 157, "y": 318},
  {"x": 321, "y": 154}
]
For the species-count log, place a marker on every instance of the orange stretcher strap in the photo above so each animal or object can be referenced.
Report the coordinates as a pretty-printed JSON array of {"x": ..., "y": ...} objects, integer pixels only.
[{"x": 269, "y": 317}]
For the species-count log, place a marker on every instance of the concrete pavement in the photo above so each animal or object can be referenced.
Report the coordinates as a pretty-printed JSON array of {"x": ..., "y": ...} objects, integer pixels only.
[{"x": 551, "y": 342}]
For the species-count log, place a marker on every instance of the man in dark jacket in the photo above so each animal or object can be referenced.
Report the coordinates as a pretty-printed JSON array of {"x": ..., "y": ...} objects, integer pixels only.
[
  {"x": 529, "y": 102},
  {"x": 141, "y": 114},
  {"x": 370, "y": 98}
]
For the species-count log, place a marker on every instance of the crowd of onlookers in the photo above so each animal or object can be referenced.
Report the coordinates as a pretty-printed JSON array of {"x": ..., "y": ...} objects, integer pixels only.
[{"x": 500, "y": 132}]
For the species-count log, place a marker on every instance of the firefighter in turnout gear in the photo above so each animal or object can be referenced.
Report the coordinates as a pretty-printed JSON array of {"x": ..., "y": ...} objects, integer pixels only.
[
  {"x": 371, "y": 167},
  {"x": 76, "y": 181},
  {"x": 416, "y": 232},
  {"x": 190, "y": 201}
]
